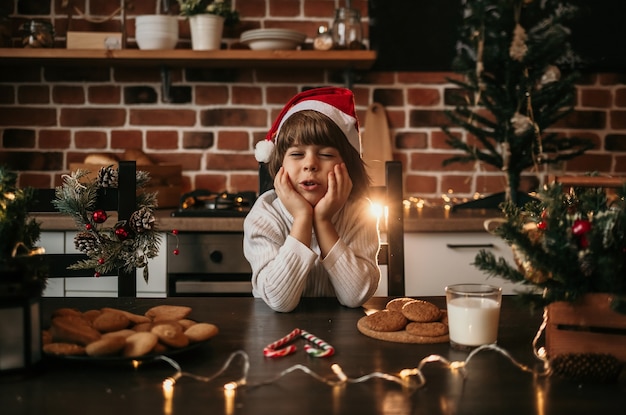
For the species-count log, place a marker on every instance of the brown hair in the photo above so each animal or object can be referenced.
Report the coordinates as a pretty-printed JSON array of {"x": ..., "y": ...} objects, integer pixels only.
[{"x": 310, "y": 127}]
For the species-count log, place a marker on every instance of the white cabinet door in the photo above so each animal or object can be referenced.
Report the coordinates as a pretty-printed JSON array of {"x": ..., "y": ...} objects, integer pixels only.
[
  {"x": 435, "y": 260},
  {"x": 53, "y": 243}
]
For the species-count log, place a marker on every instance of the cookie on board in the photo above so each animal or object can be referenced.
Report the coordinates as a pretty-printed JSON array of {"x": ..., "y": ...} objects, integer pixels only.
[
  {"x": 385, "y": 320},
  {"x": 421, "y": 311}
]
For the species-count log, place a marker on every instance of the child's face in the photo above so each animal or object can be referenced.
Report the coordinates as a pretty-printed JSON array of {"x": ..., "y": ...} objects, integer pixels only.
[{"x": 308, "y": 167}]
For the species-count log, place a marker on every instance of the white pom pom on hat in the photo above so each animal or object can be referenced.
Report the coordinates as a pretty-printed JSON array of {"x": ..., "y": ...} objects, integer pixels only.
[{"x": 335, "y": 103}]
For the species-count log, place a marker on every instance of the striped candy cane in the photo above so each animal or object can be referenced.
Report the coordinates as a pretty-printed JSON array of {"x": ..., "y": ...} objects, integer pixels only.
[
  {"x": 275, "y": 350},
  {"x": 326, "y": 349}
]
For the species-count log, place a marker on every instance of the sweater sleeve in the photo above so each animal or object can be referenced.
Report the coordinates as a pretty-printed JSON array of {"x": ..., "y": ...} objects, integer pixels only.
[{"x": 280, "y": 264}]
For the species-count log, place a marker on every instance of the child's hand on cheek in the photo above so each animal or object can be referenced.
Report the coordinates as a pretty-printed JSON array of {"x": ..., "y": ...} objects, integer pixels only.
[
  {"x": 293, "y": 201},
  {"x": 339, "y": 188}
]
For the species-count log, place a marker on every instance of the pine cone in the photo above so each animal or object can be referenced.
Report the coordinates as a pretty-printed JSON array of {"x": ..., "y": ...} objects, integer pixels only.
[
  {"x": 142, "y": 220},
  {"x": 85, "y": 242},
  {"x": 591, "y": 367},
  {"x": 108, "y": 177}
]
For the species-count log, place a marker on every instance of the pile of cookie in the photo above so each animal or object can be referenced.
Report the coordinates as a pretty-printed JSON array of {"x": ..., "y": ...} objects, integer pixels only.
[
  {"x": 407, "y": 320},
  {"x": 111, "y": 332}
]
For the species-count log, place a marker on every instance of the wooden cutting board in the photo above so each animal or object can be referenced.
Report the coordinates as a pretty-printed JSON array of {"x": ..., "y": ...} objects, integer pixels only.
[
  {"x": 376, "y": 143},
  {"x": 401, "y": 336}
]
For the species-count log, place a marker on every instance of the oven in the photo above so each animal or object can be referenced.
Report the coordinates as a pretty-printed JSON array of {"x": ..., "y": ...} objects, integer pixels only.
[{"x": 210, "y": 263}]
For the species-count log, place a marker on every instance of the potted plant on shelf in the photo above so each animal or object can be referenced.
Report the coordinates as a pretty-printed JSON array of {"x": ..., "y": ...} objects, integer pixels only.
[
  {"x": 207, "y": 19},
  {"x": 22, "y": 278},
  {"x": 569, "y": 248}
]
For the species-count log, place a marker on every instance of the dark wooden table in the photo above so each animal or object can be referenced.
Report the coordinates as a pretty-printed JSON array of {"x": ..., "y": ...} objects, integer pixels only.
[{"x": 493, "y": 385}]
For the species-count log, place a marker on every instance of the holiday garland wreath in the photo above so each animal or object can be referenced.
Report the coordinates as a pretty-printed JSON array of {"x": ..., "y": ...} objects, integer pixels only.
[
  {"x": 127, "y": 244},
  {"x": 566, "y": 244}
]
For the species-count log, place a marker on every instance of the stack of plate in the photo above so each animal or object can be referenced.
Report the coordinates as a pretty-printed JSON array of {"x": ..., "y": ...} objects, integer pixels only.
[{"x": 272, "y": 39}]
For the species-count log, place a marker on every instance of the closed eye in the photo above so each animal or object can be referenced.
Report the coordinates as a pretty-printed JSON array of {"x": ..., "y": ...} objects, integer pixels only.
[{"x": 328, "y": 153}]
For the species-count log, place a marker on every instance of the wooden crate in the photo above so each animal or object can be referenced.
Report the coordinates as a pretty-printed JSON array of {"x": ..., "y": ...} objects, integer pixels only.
[
  {"x": 587, "y": 326},
  {"x": 165, "y": 179}
]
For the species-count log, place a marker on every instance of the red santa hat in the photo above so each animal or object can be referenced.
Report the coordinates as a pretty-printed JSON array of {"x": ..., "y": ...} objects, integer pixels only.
[{"x": 335, "y": 103}]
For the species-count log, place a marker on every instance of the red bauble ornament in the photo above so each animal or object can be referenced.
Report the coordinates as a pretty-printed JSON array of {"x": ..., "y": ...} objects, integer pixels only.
[
  {"x": 176, "y": 252},
  {"x": 542, "y": 226},
  {"x": 122, "y": 233},
  {"x": 99, "y": 216},
  {"x": 581, "y": 227},
  {"x": 88, "y": 226},
  {"x": 100, "y": 261},
  {"x": 174, "y": 231}
]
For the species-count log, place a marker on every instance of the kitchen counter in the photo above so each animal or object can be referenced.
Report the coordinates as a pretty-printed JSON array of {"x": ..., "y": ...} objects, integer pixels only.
[{"x": 416, "y": 220}]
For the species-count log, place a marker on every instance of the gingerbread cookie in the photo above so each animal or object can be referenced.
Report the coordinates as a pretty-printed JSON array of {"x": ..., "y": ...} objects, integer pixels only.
[
  {"x": 170, "y": 334},
  {"x": 106, "y": 346},
  {"x": 421, "y": 311},
  {"x": 140, "y": 344},
  {"x": 431, "y": 329},
  {"x": 397, "y": 303},
  {"x": 201, "y": 332},
  {"x": 168, "y": 312},
  {"x": 132, "y": 317},
  {"x": 110, "y": 321},
  {"x": 385, "y": 320},
  {"x": 68, "y": 329}
]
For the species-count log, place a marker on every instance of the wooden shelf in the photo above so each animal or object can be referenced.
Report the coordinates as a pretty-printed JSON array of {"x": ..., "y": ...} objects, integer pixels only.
[{"x": 232, "y": 58}]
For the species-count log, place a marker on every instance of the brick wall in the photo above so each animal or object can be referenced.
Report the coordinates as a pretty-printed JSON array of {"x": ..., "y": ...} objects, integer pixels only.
[{"x": 53, "y": 116}]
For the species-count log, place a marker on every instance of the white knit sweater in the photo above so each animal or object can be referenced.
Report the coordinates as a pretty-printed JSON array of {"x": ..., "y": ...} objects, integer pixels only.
[{"x": 284, "y": 269}]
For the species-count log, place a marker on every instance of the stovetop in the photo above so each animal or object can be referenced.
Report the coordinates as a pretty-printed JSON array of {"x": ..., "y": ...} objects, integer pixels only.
[{"x": 204, "y": 203}]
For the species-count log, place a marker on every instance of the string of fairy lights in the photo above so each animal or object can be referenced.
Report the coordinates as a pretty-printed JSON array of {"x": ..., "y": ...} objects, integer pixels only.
[{"x": 411, "y": 379}]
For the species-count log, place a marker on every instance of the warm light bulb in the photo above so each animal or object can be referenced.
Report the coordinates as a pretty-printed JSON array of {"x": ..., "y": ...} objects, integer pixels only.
[
  {"x": 457, "y": 365},
  {"x": 230, "y": 386},
  {"x": 339, "y": 372},
  {"x": 168, "y": 384}
]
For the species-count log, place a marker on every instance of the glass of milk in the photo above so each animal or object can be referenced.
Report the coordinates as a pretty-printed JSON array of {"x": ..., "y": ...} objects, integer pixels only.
[{"x": 473, "y": 314}]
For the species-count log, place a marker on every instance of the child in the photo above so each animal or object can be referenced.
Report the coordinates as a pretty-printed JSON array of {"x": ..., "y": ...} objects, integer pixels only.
[{"x": 313, "y": 235}]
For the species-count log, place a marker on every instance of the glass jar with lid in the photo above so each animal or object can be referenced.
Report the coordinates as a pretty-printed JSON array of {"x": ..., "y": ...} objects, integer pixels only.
[{"x": 347, "y": 33}]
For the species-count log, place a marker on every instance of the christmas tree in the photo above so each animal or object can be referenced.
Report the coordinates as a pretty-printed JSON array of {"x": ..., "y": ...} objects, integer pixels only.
[
  {"x": 518, "y": 79},
  {"x": 22, "y": 271},
  {"x": 565, "y": 244}
]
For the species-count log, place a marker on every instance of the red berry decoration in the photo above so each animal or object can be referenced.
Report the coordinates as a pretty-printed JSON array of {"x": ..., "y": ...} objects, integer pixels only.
[
  {"x": 122, "y": 233},
  {"x": 88, "y": 226},
  {"x": 581, "y": 227},
  {"x": 174, "y": 231},
  {"x": 542, "y": 226},
  {"x": 176, "y": 252},
  {"x": 96, "y": 275},
  {"x": 99, "y": 216},
  {"x": 100, "y": 261}
]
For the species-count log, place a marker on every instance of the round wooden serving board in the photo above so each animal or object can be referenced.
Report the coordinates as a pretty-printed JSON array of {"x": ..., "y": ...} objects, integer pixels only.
[{"x": 401, "y": 336}]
